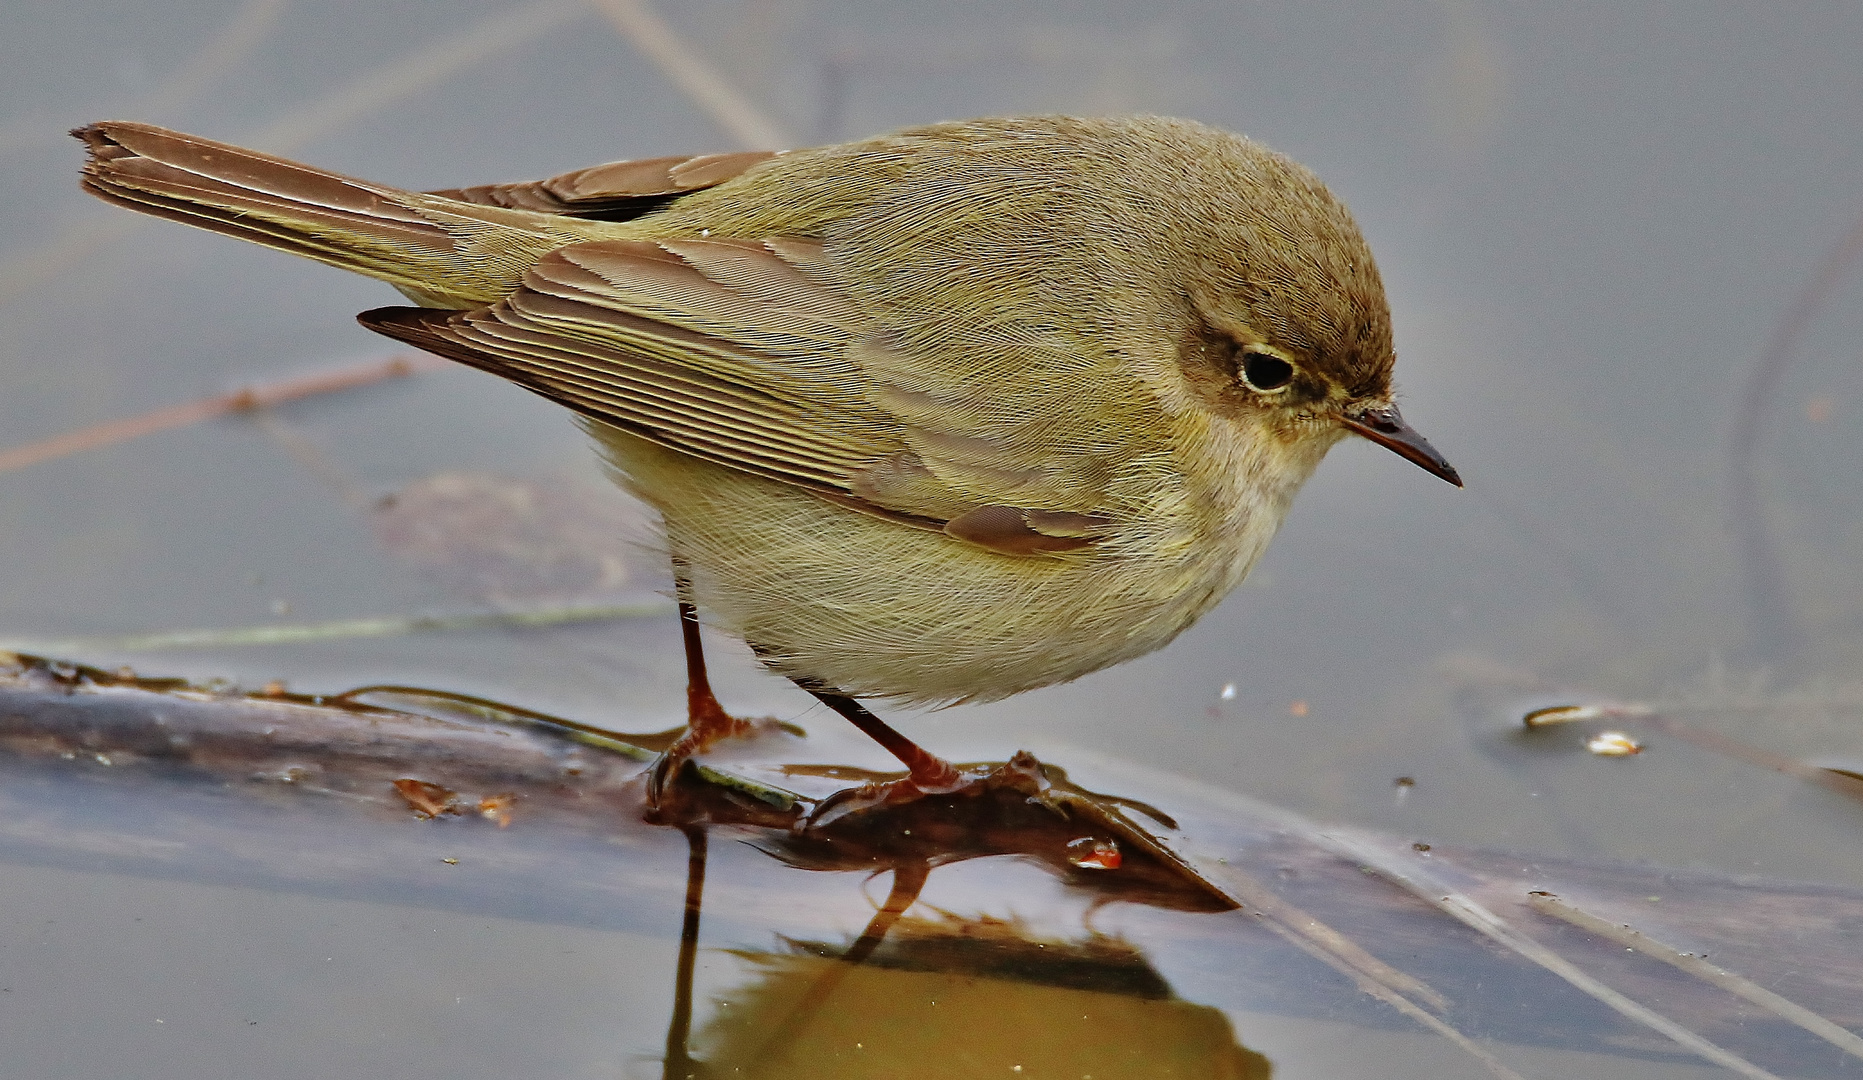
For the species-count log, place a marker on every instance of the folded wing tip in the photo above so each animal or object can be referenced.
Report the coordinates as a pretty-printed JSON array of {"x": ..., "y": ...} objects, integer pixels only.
[{"x": 411, "y": 325}]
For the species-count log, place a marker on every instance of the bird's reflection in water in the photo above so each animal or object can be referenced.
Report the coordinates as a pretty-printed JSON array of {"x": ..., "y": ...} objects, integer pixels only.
[{"x": 942, "y": 996}]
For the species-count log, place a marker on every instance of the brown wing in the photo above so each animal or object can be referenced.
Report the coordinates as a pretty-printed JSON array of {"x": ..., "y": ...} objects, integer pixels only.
[
  {"x": 736, "y": 352},
  {"x": 617, "y": 190}
]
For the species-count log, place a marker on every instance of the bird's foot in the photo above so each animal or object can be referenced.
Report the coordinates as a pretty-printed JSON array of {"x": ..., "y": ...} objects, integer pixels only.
[
  {"x": 708, "y": 725},
  {"x": 935, "y": 776},
  {"x": 1018, "y": 807},
  {"x": 1021, "y": 781}
]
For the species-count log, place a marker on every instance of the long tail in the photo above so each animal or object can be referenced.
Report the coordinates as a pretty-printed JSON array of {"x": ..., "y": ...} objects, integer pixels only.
[{"x": 438, "y": 251}]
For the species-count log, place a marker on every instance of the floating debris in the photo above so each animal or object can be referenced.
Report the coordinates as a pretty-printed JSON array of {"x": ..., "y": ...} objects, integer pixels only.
[
  {"x": 1613, "y": 744},
  {"x": 427, "y": 800},
  {"x": 497, "y": 808},
  {"x": 1564, "y": 714}
]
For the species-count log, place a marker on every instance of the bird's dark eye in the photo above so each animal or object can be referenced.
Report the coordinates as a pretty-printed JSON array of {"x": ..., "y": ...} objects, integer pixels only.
[{"x": 1265, "y": 371}]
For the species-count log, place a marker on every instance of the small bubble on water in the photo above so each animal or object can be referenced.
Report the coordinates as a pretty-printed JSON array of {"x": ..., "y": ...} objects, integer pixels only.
[{"x": 1229, "y": 692}]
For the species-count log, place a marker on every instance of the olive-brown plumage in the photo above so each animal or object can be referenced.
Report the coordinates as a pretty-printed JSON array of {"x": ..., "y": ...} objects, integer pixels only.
[{"x": 941, "y": 415}]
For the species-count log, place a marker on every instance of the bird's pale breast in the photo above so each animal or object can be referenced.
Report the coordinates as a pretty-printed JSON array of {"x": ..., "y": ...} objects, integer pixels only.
[{"x": 872, "y": 607}]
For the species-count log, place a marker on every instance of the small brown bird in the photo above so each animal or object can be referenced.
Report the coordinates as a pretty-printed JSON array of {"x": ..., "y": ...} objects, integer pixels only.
[{"x": 937, "y": 416}]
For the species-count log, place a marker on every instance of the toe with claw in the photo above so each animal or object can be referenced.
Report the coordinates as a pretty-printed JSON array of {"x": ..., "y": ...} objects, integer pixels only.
[{"x": 707, "y": 725}]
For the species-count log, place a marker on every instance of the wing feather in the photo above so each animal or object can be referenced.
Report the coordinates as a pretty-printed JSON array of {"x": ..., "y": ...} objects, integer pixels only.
[
  {"x": 617, "y": 190},
  {"x": 747, "y": 354}
]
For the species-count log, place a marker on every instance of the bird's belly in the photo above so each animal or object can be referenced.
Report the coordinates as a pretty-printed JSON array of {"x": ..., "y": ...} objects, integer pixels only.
[{"x": 872, "y": 607}]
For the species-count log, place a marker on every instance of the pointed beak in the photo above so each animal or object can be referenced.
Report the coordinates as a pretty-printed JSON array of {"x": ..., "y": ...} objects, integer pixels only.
[{"x": 1385, "y": 426}]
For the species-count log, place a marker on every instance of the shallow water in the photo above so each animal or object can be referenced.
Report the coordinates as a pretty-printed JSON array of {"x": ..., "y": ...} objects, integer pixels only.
[{"x": 1590, "y": 219}]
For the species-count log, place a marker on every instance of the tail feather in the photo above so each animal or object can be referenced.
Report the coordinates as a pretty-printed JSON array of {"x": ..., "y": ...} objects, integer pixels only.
[
  {"x": 167, "y": 193},
  {"x": 439, "y": 251}
]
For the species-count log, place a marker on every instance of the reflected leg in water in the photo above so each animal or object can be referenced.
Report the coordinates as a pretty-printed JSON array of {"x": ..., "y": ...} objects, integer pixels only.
[
  {"x": 679, "y": 1063},
  {"x": 908, "y": 882},
  {"x": 963, "y": 996}
]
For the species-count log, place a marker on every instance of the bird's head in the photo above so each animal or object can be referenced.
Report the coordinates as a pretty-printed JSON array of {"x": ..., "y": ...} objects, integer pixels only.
[{"x": 1289, "y": 326}]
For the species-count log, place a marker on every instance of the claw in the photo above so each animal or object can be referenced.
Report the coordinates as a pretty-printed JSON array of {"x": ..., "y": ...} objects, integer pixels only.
[
  {"x": 860, "y": 800},
  {"x": 708, "y": 726},
  {"x": 881, "y": 794},
  {"x": 661, "y": 772}
]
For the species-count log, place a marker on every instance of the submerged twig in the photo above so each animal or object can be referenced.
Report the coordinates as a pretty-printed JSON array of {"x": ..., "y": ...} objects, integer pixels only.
[
  {"x": 704, "y": 84},
  {"x": 391, "y": 626},
  {"x": 1372, "y": 976},
  {"x": 235, "y": 41},
  {"x": 501, "y": 31},
  {"x": 218, "y": 55},
  {"x": 1479, "y": 918},
  {"x": 1344, "y": 954},
  {"x": 1774, "y": 624},
  {"x": 1384, "y": 992},
  {"x": 406, "y": 74},
  {"x": 246, "y": 399},
  {"x": 1548, "y": 904},
  {"x": 307, "y": 455}
]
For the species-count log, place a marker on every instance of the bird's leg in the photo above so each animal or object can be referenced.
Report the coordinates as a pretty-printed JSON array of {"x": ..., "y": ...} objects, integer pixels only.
[
  {"x": 706, "y": 721},
  {"x": 926, "y": 772}
]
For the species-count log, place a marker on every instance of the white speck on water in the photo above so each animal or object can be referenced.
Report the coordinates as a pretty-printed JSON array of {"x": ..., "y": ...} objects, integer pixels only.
[
  {"x": 1229, "y": 692},
  {"x": 1613, "y": 744}
]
